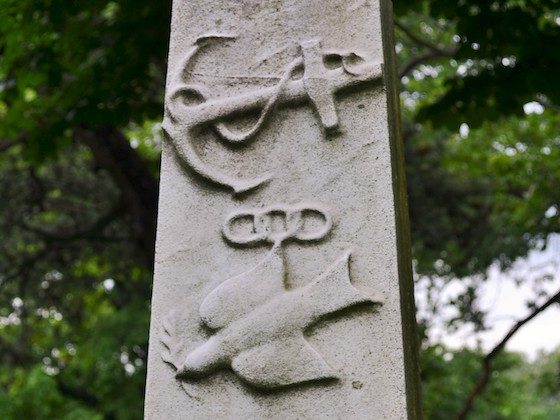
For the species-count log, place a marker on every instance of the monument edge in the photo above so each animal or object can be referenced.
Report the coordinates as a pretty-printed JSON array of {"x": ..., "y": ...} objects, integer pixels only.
[{"x": 402, "y": 223}]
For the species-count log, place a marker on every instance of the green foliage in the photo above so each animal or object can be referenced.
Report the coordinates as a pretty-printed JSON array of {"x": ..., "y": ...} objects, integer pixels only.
[
  {"x": 74, "y": 310},
  {"x": 40, "y": 388},
  {"x": 93, "y": 63},
  {"x": 463, "y": 191},
  {"x": 81, "y": 85},
  {"x": 488, "y": 197},
  {"x": 515, "y": 391},
  {"x": 506, "y": 49}
]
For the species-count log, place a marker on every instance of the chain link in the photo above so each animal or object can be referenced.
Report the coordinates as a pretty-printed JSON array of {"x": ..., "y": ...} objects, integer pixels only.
[{"x": 262, "y": 228}]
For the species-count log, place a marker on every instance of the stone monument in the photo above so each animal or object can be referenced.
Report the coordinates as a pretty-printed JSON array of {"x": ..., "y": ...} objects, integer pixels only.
[{"x": 282, "y": 283}]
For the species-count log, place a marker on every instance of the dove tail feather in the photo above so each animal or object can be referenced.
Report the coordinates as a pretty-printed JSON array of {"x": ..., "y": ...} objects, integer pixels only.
[{"x": 333, "y": 291}]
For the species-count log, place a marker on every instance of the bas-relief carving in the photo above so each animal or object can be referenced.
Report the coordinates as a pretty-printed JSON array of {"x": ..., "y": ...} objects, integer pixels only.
[
  {"x": 317, "y": 86},
  {"x": 292, "y": 220},
  {"x": 259, "y": 322}
]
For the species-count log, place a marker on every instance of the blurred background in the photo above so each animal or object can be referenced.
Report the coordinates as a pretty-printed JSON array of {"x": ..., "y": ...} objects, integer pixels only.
[{"x": 81, "y": 93}]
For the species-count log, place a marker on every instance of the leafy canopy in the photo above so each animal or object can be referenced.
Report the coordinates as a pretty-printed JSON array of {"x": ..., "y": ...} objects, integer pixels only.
[{"x": 81, "y": 84}]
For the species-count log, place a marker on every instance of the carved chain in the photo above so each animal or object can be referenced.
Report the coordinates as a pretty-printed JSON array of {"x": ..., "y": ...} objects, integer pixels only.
[{"x": 261, "y": 226}]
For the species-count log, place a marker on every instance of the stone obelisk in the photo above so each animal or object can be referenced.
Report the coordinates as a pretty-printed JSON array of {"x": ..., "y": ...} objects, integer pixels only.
[{"x": 283, "y": 281}]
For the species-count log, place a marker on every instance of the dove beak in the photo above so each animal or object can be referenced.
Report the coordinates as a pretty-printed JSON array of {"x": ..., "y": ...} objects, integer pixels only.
[{"x": 181, "y": 372}]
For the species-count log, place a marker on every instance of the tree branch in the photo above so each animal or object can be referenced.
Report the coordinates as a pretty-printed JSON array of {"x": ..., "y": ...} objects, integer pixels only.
[
  {"x": 546, "y": 103},
  {"x": 25, "y": 265},
  {"x": 90, "y": 232},
  {"x": 487, "y": 361},
  {"x": 76, "y": 393},
  {"x": 416, "y": 61},
  {"x": 419, "y": 40},
  {"x": 112, "y": 152},
  {"x": 5, "y": 144},
  {"x": 435, "y": 51},
  {"x": 12, "y": 355}
]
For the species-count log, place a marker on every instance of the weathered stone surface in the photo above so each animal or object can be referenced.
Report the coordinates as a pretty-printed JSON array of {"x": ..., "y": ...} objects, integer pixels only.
[{"x": 282, "y": 285}]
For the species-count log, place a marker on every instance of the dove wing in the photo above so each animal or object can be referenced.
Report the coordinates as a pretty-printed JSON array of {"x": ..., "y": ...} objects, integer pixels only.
[
  {"x": 239, "y": 295},
  {"x": 282, "y": 362}
]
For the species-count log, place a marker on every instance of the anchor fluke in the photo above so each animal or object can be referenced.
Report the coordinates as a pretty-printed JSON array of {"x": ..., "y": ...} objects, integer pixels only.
[{"x": 189, "y": 156}]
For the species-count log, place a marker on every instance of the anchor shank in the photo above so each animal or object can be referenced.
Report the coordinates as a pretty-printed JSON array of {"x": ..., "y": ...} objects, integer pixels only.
[
  {"x": 294, "y": 92},
  {"x": 218, "y": 109}
]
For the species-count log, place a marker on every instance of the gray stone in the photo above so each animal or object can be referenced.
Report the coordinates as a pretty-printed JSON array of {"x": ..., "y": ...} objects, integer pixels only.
[{"x": 282, "y": 281}]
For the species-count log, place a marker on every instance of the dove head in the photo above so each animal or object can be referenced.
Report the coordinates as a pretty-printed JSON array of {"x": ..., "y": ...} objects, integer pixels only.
[{"x": 202, "y": 360}]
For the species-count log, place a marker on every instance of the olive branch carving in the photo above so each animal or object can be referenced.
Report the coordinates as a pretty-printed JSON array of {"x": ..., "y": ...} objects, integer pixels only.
[{"x": 169, "y": 338}]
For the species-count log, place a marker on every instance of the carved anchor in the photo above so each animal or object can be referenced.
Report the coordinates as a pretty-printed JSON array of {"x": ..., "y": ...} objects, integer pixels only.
[{"x": 318, "y": 85}]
